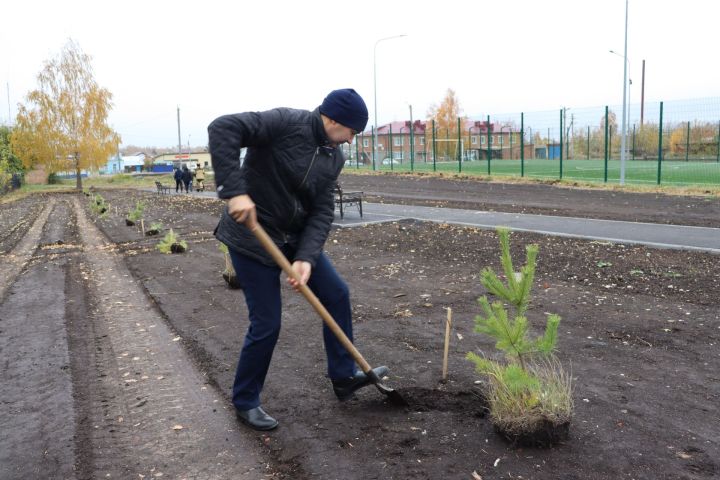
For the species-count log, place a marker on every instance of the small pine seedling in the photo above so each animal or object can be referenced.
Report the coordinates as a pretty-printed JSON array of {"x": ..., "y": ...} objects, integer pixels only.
[
  {"x": 136, "y": 214},
  {"x": 170, "y": 239}
]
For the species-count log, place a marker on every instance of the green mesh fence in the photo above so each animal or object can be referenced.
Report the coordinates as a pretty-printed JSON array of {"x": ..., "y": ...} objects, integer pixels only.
[{"x": 583, "y": 144}]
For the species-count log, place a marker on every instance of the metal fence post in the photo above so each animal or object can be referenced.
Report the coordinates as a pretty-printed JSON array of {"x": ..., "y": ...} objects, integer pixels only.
[
  {"x": 357, "y": 152},
  {"x": 687, "y": 143},
  {"x": 561, "y": 143},
  {"x": 718, "y": 151},
  {"x": 489, "y": 152},
  {"x": 522, "y": 144},
  {"x": 606, "y": 143},
  {"x": 633, "y": 143},
  {"x": 434, "y": 147},
  {"x": 412, "y": 144},
  {"x": 588, "y": 142},
  {"x": 390, "y": 146},
  {"x": 459, "y": 148},
  {"x": 659, "y": 176}
]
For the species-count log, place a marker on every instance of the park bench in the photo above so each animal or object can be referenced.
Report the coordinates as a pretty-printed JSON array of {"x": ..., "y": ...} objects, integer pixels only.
[
  {"x": 162, "y": 189},
  {"x": 344, "y": 198}
]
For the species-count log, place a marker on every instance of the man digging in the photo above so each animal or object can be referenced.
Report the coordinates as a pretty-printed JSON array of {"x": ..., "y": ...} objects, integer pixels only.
[{"x": 286, "y": 185}]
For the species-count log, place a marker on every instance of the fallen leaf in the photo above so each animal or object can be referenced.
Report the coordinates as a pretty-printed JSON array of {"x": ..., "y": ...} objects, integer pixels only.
[{"x": 178, "y": 427}]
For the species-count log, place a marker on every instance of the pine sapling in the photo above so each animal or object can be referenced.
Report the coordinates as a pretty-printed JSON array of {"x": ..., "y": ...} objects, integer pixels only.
[
  {"x": 154, "y": 229},
  {"x": 136, "y": 214},
  {"x": 530, "y": 389},
  {"x": 98, "y": 205},
  {"x": 229, "y": 273},
  {"x": 172, "y": 244}
]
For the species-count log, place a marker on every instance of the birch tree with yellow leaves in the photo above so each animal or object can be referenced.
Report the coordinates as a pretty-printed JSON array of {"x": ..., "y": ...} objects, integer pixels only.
[
  {"x": 63, "y": 125},
  {"x": 446, "y": 116}
]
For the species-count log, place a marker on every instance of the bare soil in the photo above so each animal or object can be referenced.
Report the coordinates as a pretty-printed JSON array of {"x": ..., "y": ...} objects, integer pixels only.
[{"x": 640, "y": 332}]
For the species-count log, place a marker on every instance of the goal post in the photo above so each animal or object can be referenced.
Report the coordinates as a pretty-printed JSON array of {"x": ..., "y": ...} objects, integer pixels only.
[{"x": 450, "y": 149}]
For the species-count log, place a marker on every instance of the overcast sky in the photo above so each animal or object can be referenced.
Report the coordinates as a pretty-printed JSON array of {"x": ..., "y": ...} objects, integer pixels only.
[{"x": 216, "y": 57}]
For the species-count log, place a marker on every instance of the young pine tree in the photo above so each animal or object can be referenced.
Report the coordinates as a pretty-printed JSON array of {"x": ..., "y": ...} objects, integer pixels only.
[{"x": 530, "y": 387}]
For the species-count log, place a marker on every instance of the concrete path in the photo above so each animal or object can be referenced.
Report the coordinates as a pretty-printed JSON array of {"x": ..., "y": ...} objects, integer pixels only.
[{"x": 651, "y": 234}]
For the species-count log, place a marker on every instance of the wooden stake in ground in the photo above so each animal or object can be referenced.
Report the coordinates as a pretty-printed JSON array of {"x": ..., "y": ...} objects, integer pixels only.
[{"x": 448, "y": 323}]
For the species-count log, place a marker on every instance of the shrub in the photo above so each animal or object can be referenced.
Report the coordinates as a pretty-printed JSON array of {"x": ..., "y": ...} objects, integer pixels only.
[{"x": 530, "y": 395}]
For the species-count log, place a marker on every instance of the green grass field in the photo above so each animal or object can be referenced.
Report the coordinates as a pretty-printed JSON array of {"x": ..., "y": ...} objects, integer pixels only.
[{"x": 673, "y": 172}]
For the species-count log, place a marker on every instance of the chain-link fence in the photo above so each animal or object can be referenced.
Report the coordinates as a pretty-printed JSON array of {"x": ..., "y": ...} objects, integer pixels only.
[{"x": 665, "y": 143}]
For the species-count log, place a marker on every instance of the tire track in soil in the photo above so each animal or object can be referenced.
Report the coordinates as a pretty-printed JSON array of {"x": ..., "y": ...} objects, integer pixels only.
[
  {"x": 151, "y": 412},
  {"x": 15, "y": 261},
  {"x": 36, "y": 408}
]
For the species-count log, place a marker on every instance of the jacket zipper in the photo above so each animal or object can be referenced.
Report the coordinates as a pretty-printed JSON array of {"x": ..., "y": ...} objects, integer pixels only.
[{"x": 317, "y": 149}]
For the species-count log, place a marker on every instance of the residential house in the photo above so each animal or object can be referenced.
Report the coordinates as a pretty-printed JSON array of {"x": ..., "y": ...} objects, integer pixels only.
[
  {"x": 478, "y": 139},
  {"x": 168, "y": 161}
]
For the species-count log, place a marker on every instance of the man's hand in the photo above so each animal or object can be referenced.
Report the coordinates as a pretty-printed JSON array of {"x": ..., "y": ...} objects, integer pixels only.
[
  {"x": 242, "y": 209},
  {"x": 303, "y": 270}
]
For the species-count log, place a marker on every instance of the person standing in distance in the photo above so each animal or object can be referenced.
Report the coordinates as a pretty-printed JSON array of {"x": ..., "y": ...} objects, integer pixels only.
[{"x": 286, "y": 185}]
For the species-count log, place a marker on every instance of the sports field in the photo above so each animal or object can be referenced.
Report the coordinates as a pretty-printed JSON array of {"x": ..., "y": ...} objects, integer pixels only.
[{"x": 675, "y": 172}]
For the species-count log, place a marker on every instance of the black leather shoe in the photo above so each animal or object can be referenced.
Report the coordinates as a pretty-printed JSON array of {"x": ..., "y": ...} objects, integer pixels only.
[
  {"x": 257, "y": 418},
  {"x": 345, "y": 388}
]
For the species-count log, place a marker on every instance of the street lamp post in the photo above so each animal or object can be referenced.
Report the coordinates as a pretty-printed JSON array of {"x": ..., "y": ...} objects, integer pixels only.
[
  {"x": 623, "y": 138},
  {"x": 375, "y": 86},
  {"x": 629, "y": 84}
]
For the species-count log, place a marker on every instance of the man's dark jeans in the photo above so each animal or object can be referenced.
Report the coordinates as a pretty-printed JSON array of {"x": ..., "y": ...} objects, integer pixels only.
[{"x": 261, "y": 286}]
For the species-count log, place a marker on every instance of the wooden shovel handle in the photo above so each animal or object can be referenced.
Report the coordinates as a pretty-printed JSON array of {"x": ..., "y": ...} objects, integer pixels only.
[{"x": 283, "y": 262}]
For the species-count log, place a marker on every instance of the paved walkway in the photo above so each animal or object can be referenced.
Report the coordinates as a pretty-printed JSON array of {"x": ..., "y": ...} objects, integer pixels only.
[{"x": 652, "y": 234}]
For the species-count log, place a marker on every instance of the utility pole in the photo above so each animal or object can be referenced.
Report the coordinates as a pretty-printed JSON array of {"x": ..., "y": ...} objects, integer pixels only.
[
  {"x": 412, "y": 142},
  {"x": 10, "y": 122},
  {"x": 179, "y": 141},
  {"x": 623, "y": 138},
  {"x": 642, "y": 95}
]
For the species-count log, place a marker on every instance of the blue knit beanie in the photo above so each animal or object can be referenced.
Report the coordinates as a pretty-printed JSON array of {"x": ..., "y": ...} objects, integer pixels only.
[{"x": 347, "y": 108}]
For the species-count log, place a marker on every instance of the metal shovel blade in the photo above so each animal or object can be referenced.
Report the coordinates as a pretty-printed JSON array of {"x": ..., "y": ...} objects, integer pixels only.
[{"x": 393, "y": 396}]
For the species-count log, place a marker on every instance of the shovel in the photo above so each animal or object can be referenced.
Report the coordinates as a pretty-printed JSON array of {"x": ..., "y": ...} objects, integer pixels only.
[{"x": 283, "y": 262}]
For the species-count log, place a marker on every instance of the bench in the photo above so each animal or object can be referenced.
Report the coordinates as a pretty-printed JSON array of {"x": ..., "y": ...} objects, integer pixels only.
[
  {"x": 344, "y": 198},
  {"x": 162, "y": 189}
]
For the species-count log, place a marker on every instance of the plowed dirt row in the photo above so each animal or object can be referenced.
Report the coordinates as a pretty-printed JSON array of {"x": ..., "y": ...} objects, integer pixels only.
[
  {"x": 640, "y": 332},
  {"x": 102, "y": 388}
]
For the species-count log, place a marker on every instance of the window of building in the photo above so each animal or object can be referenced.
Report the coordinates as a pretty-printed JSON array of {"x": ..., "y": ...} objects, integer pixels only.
[
  {"x": 473, "y": 140},
  {"x": 366, "y": 142},
  {"x": 482, "y": 140},
  {"x": 422, "y": 140},
  {"x": 398, "y": 141},
  {"x": 500, "y": 139}
]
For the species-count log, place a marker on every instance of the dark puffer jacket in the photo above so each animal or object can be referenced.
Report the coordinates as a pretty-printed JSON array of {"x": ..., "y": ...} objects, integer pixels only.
[{"x": 289, "y": 172}]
